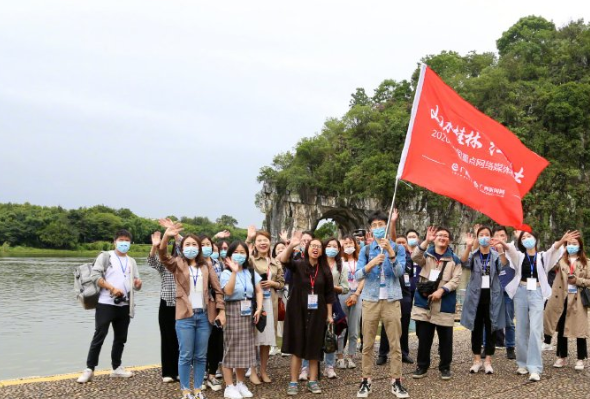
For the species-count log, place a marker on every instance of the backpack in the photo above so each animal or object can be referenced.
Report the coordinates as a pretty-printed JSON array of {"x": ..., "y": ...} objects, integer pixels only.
[{"x": 87, "y": 291}]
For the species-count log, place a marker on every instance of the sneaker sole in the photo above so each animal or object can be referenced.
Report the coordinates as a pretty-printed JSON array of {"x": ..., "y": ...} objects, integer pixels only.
[
  {"x": 362, "y": 395},
  {"x": 446, "y": 378},
  {"x": 401, "y": 395},
  {"x": 214, "y": 388},
  {"x": 417, "y": 377}
]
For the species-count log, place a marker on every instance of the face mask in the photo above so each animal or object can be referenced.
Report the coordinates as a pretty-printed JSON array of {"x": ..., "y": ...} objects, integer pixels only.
[
  {"x": 207, "y": 251},
  {"x": 349, "y": 250},
  {"x": 331, "y": 252},
  {"x": 413, "y": 242},
  {"x": 572, "y": 249},
  {"x": 379, "y": 232},
  {"x": 123, "y": 246},
  {"x": 362, "y": 244},
  {"x": 529, "y": 243},
  {"x": 239, "y": 258},
  {"x": 484, "y": 241},
  {"x": 223, "y": 253},
  {"x": 215, "y": 255},
  {"x": 190, "y": 252}
]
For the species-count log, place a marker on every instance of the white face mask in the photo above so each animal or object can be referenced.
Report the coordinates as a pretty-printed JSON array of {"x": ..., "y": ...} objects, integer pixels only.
[{"x": 349, "y": 250}]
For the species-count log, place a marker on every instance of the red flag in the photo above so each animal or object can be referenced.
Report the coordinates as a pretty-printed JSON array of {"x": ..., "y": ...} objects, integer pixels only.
[{"x": 457, "y": 151}]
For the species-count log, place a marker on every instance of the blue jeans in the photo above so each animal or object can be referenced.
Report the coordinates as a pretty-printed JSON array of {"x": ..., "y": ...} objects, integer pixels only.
[
  {"x": 193, "y": 337},
  {"x": 528, "y": 306},
  {"x": 353, "y": 315},
  {"x": 509, "y": 333}
]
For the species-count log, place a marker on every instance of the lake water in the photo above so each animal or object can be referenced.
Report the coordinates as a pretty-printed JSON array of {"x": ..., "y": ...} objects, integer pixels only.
[{"x": 44, "y": 330}]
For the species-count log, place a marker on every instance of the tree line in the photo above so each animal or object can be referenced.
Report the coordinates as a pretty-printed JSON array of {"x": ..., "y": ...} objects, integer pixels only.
[{"x": 58, "y": 228}]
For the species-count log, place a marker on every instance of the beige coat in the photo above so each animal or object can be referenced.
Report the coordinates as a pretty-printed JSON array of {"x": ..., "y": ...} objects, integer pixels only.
[
  {"x": 261, "y": 265},
  {"x": 576, "y": 319},
  {"x": 440, "y": 313}
]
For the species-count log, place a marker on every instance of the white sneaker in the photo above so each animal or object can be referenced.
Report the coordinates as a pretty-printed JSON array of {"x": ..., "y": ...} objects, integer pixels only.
[
  {"x": 231, "y": 392},
  {"x": 243, "y": 390},
  {"x": 522, "y": 371},
  {"x": 249, "y": 372},
  {"x": 120, "y": 372},
  {"x": 547, "y": 347},
  {"x": 303, "y": 374},
  {"x": 535, "y": 377},
  {"x": 167, "y": 380},
  {"x": 86, "y": 376},
  {"x": 579, "y": 365},
  {"x": 559, "y": 363},
  {"x": 351, "y": 364},
  {"x": 341, "y": 364},
  {"x": 330, "y": 373},
  {"x": 275, "y": 351}
]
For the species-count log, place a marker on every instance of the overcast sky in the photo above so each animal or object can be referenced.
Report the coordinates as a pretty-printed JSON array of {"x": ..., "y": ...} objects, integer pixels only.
[{"x": 172, "y": 107}]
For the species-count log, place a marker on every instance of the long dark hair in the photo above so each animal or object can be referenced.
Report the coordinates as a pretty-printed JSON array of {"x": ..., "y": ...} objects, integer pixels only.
[
  {"x": 338, "y": 259},
  {"x": 200, "y": 259},
  {"x": 521, "y": 247}
]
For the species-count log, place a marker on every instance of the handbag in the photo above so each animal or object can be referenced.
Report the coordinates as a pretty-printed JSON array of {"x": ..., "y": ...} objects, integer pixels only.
[
  {"x": 427, "y": 288},
  {"x": 281, "y": 311},
  {"x": 340, "y": 321},
  {"x": 261, "y": 325},
  {"x": 330, "y": 340},
  {"x": 585, "y": 296}
]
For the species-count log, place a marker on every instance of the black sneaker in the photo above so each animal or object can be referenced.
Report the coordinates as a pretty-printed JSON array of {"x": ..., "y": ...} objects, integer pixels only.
[
  {"x": 407, "y": 359},
  {"x": 510, "y": 353},
  {"x": 445, "y": 374},
  {"x": 381, "y": 360},
  {"x": 419, "y": 373},
  {"x": 398, "y": 390},
  {"x": 364, "y": 389}
]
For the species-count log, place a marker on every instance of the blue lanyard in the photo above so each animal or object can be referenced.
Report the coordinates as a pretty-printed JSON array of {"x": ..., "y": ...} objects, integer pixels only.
[
  {"x": 124, "y": 270},
  {"x": 484, "y": 262},
  {"x": 195, "y": 277},
  {"x": 244, "y": 283},
  {"x": 532, "y": 262}
]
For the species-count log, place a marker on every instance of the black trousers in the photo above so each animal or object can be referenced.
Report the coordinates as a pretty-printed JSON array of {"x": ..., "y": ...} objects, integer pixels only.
[
  {"x": 104, "y": 316},
  {"x": 403, "y": 339},
  {"x": 482, "y": 321},
  {"x": 168, "y": 340},
  {"x": 562, "y": 341},
  {"x": 425, "y": 332},
  {"x": 214, "y": 349}
]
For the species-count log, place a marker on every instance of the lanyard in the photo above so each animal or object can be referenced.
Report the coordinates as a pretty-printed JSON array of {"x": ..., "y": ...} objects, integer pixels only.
[
  {"x": 244, "y": 283},
  {"x": 312, "y": 280},
  {"x": 195, "y": 276},
  {"x": 353, "y": 263},
  {"x": 123, "y": 269},
  {"x": 485, "y": 262},
  {"x": 532, "y": 262},
  {"x": 572, "y": 266}
]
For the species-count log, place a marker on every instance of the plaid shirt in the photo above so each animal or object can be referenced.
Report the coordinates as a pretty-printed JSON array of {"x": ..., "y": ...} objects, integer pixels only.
[{"x": 168, "y": 287}]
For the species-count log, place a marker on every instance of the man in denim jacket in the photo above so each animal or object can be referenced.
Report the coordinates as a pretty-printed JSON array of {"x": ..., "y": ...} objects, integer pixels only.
[{"x": 381, "y": 264}]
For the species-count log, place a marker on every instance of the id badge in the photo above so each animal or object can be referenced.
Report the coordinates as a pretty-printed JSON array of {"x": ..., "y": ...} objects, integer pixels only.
[
  {"x": 433, "y": 275},
  {"x": 531, "y": 284},
  {"x": 350, "y": 276},
  {"x": 266, "y": 294},
  {"x": 485, "y": 281},
  {"x": 407, "y": 279},
  {"x": 572, "y": 289},
  {"x": 246, "y": 307},
  {"x": 312, "y": 301}
]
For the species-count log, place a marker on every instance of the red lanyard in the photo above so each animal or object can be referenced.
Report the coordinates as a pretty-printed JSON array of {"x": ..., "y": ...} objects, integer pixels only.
[
  {"x": 312, "y": 280},
  {"x": 572, "y": 267}
]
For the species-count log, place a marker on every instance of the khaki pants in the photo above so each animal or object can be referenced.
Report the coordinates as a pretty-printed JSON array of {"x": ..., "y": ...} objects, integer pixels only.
[{"x": 390, "y": 314}]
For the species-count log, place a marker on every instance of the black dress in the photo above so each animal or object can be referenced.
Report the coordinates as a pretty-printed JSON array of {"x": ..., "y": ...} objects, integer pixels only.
[{"x": 303, "y": 333}]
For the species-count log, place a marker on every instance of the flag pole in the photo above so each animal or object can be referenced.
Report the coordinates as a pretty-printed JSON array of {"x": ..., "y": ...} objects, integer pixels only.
[{"x": 391, "y": 209}]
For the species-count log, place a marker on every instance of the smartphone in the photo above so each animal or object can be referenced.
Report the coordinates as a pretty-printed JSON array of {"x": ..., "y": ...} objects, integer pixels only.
[
  {"x": 218, "y": 323},
  {"x": 264, "y": 276}
]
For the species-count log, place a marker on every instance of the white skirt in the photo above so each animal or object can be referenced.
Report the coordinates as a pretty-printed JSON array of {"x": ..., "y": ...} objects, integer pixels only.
[{"x": 268, "y": 336}]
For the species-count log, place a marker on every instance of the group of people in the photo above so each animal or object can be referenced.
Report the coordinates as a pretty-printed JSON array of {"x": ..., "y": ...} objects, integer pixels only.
[{"x": 220, "y": 302}]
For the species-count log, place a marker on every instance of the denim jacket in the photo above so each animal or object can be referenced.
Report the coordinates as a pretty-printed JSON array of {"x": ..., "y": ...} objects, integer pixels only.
[{"x": 392, "y": 272}]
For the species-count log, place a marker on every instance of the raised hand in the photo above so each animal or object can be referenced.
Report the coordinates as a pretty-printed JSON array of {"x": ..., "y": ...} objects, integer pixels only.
[
  {"x": 469, "y": 239},
  {"x": 251, "y": 232},
  {"x": 167, "y": 222},
  {"x": 173, "y": 230},
  {"x": 569, "y": 236},
  {"x": 430, "y": 234},
  {"x": 156, "y": 238},
  {"x": 283, "y": 236},
  {"x": 394, "y": 215},
  {"x": 476, "y": 227},
  {"x": 233, "y": 266},
  {"x": 498, "y": 244},
  {"x": 296, "y": 239},
  {"x": 222, "y": 234}
]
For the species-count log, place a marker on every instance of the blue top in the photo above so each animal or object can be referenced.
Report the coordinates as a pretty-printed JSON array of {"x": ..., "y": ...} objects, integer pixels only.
[{"x": 243, "y": 279}]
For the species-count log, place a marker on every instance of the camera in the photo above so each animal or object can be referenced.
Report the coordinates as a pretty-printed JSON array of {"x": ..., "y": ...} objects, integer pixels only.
[{"x": 119, "y": 299}]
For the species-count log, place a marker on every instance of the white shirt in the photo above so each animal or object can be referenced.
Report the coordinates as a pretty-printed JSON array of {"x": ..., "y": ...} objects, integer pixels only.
[
  {"x": 350, "y": 269},
  {"x": 118, "y": 275},
  {"x": 196, "y": 283}
]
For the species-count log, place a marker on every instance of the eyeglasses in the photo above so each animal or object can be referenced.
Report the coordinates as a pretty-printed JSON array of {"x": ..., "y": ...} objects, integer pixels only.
[
  {"x": 315, "y": 246},
  {"x": 442, "y": 236}
]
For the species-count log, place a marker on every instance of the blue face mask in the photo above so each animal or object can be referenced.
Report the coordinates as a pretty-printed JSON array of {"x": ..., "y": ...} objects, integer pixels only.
[
  {"x": 215, "y": 255},
  {"x": 123, "y": 246},
  {"x": 207, "y": 251},
  {"x": 190, "y": 252},
  {"x": 484, "y": 241},
  {"x": 223, "y": 253},
  {"x": 239, "y": 259},
  {"x": 362, "y": 244},
  {"x": 413, "y": 242},
  {"x": 331, "y": 252},
  {"x": 379, "y": 232},
  {"x": 572, "y": 249},
  {"x": 529, "y": 243}
]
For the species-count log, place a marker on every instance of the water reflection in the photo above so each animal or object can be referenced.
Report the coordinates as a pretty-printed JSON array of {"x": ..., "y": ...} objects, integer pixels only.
[{"x": 44, "y": 330}]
